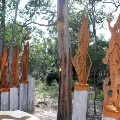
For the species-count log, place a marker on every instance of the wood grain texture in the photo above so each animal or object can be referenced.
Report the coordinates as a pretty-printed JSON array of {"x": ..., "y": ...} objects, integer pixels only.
[
  {"x": 80, "y": 105},
  {"x": 13, "y": 98},
  {"x": 79, "y": 60},
  {"x": 5, "y": 101},
  {"x": 31, "y": 92},
  {"x": 23, "y": 97},
  {"x": 111, "y": 86}
]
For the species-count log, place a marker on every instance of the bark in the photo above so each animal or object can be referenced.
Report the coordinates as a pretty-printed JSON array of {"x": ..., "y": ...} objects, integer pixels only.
[
  {"x": 12, "y": 39},
  {"x": 2, "y": 31},
  {"x": 94, "y": 18},
  {"x": 65, "y": 101}
]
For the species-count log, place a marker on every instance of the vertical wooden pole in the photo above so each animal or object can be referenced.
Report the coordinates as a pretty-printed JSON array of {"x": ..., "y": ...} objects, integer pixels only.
[
  {"x": 23, "y": 96},
  {"x": 5, "y": 97},
  {"x": 5, "y": 91},
  {"x": 23, "y": 91},
  {"x": 31, "y": 92},
  {"x": 14, "y": 82},
  {"x": 13, "y": 98},
  {"x": 79, "y": 62},
  {"x": 65, "y": 98},
  {"x": 80, "y": 104}
]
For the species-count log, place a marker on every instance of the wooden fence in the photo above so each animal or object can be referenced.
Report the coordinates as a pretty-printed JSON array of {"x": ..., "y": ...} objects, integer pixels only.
[{"x": 18, "y": 94}]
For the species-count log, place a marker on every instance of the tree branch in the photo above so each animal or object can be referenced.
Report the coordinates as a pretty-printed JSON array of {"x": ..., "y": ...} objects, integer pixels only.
[
  {"x": 52, "y": 24},
  {"x": 114, "y": 4}
]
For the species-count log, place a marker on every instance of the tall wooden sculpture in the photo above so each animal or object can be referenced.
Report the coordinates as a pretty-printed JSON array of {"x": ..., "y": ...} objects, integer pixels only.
[
  {"x": 14, "y": 84},
  {"x": 4, "y": 81},
  {"x": 111, "y": 87},
  {"x": 14, "y": 69},
  {"x": 79, "y": 62},
  {"x": 23, "y": 80},
  {"x": 24, "y": 63},
  {"x": 4, "y": 70},
  {"x": 0, "y": 70}
]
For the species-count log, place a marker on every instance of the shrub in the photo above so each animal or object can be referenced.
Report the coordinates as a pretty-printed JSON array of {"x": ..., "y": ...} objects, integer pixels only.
[{"x": 51, "y": 77}]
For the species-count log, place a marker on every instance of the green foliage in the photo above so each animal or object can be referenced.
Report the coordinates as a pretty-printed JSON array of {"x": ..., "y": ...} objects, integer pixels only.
[
  {"x": 21, "y": 35},
  {"x": 51, "y": 77},
  {"x": 42, "y": 56},
  {"x": 97, "y": 51},
  {"x": 100, "y": 96},
  {"x": 44, "y": 91}
]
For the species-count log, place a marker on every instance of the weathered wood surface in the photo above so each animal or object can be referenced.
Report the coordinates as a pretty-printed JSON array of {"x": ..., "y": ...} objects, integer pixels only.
[
  {"x": 79, "y": 60},
  {"x": 14, "y": 98},
  {"x": 65, "y": 97},
  {"x": 5, "y": 105},
  {"x": 80, "y": 105},
  {"x": 4, "y": 69},
  {"x": 111, "y": 86},
  {"x": 23, "y": 97},
  {"x": 31, "y": 92},
  {"x": 24, "y": 63},
  {"x": 107, "y": 118},
  {"x": 12, "y": 102},
  {"x": 14, "y": 68}
]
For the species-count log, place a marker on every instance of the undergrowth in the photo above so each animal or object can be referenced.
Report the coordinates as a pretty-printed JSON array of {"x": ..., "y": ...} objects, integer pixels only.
[{"x": 43, "y": 91}]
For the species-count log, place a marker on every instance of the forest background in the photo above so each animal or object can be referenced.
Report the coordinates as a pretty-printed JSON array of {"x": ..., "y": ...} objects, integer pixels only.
[{"x": 35, "y": 21}]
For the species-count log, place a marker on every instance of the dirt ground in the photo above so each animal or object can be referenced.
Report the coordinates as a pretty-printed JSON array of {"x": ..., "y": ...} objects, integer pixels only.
[{"x": 47, "y": 109}]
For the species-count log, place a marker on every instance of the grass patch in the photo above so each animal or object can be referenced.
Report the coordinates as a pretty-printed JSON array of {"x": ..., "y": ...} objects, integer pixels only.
[{"x": 43, "y": 91}]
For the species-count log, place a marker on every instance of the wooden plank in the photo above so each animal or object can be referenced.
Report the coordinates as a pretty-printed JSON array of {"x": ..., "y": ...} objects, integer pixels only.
[
  {"x": 80, "y": 105},
  {"x": 31, "y": 91},
  {"x": 5, "y": 101},
  {"x": 13, "y": 98},
  {"x": 23, "y": 97}
]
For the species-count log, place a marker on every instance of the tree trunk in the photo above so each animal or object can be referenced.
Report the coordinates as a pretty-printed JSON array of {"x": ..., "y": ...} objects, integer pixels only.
[
  {"x": 2, "y": 31},
  {"x": 93, "y": 18},
  {"x": 65, "y": 101},
  {"x": 12, "y": 39}
]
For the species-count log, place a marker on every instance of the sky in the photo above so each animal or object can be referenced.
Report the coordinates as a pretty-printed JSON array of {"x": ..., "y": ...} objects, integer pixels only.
[{"x": 104, "y": 30}]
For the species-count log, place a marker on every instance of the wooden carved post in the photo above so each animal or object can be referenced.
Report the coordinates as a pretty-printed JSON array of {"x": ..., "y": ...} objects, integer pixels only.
[
  {"x": 79, "y": 62},
  {"x": 111, "y": 86},
  {"x": 31, "y": 91},
  {"x": 4, "y": 82},
  {"x": 14, "y": 84},
  {"x": 0, "y": 77},
  {"x": 23, "y": 81}
]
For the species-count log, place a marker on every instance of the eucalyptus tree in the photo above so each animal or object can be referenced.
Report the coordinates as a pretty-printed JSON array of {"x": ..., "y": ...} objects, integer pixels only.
[
  {"x": 64, "y": 101},
  {"x": 18, "y": 17},
  {"x": 2, "y": 24}
]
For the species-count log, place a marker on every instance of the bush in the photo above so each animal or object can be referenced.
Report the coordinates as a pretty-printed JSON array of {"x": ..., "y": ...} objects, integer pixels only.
[
  {"x": 100, "y": 96},
  {"x": 51, "y": 77}
]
